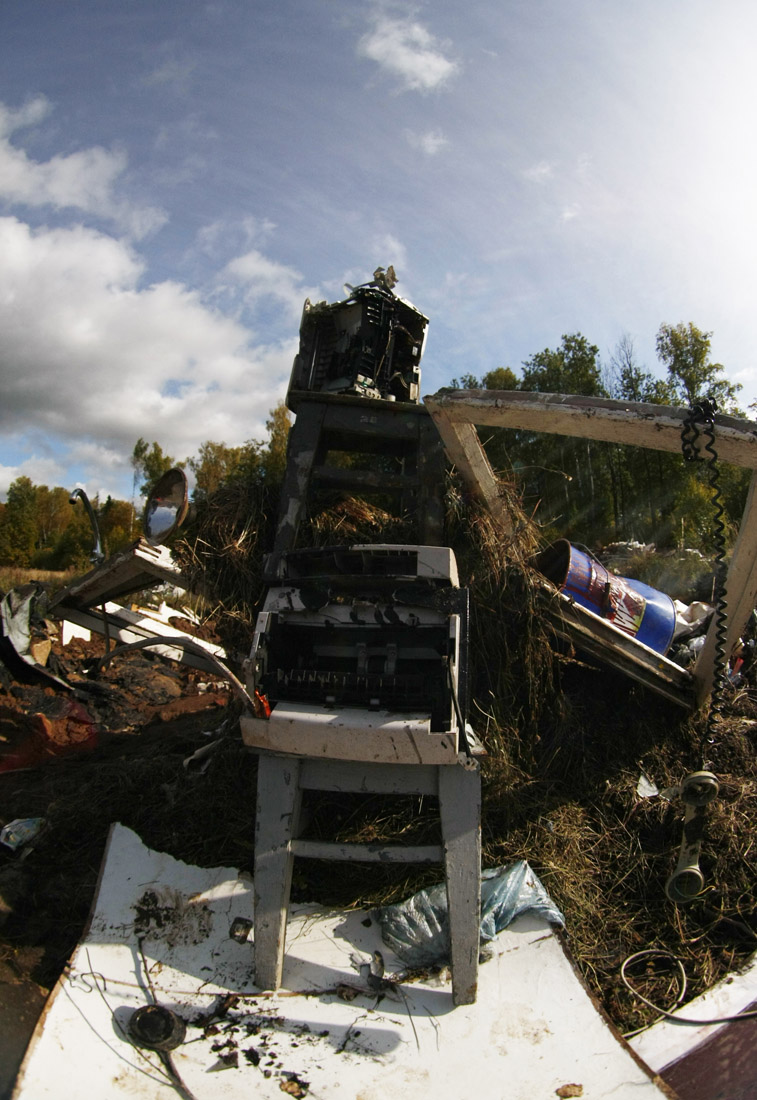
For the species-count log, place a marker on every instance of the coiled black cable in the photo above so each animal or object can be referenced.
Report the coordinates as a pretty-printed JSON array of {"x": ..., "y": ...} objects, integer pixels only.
[{"x": 704, "y": 413}]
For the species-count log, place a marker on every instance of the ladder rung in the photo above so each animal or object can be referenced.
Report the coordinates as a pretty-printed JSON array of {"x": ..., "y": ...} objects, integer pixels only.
[
  {"x": 344, "y": 477},
  {"x": 367, "y": 853}
]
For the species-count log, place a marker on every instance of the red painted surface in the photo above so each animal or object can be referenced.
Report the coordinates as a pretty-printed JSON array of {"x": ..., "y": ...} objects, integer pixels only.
[{"x": 723, "y": 1067}]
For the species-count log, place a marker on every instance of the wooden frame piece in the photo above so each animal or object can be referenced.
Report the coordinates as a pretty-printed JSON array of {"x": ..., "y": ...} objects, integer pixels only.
[
  {"x": 657, "y": 427},
  {"x": 139, "y": 566},
  {"x": 601, "y": 639},
  {"x": 124, "y": 627}
]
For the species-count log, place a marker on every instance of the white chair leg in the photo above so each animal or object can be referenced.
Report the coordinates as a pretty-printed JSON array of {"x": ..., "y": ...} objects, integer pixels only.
[
  {"x": 460, "y": 809},
  {"x": 278, "y": 808}
]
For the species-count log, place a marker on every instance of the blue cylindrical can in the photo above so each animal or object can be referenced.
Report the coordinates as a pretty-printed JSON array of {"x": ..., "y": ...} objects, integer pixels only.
[{"x": 638, "y": 610}]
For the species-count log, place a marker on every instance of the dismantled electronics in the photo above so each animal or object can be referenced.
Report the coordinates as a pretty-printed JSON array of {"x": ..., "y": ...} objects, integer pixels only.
[
  {"x": 369, "y": 345},
  {"x": 379, "y": 628}
]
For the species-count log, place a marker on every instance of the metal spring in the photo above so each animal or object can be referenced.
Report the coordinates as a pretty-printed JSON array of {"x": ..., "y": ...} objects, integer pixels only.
[{"x": 704, "y": 413}]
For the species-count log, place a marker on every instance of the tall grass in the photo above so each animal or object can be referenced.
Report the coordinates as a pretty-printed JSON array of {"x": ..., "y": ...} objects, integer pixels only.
[{"x": 13, "y": 576}]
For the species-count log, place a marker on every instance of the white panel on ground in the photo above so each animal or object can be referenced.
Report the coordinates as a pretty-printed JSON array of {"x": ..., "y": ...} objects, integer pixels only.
[{"x": 160, "y": 930}]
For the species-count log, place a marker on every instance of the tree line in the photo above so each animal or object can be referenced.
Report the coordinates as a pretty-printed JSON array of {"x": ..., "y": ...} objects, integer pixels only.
[
  {"x": 40, "y": 529},
  {"x": 586, "y": 490},
  {"x": 596, "y": 492}
]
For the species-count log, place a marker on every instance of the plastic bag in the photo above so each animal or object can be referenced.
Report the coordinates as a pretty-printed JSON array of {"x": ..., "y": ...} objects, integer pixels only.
[{"x": 417, "y": 930}]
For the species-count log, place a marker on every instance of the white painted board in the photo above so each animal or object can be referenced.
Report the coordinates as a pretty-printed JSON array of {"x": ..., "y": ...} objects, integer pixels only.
[{"x": 532, "y": 1031}]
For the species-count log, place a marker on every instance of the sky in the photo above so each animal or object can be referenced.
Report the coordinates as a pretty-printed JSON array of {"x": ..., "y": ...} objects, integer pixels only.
[{"x": 177, "y": 177}]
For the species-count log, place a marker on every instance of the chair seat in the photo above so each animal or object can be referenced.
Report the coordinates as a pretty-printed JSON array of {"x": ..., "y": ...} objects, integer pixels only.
[{"x": 350, "y": 733}]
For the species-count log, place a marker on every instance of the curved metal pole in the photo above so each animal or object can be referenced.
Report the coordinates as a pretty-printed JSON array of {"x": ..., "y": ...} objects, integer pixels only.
[{"x": 97, "y": 556}]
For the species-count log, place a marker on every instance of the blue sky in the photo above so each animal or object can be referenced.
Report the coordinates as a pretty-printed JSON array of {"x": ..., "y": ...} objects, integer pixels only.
[{"x": 176, "y": 177}]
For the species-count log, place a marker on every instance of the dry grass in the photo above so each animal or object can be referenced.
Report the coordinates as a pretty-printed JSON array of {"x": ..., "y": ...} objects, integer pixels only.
[
  {"x": 223, "y": 555},
  {"x": 12, "y": 576}
]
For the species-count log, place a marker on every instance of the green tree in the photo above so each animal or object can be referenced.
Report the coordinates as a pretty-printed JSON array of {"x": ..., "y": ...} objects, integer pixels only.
[
  {"x": 149, "y": 464},
  {"x": 74, "y": 545},
  {"x": 572, "y": 368},
  {"x": 465, "y": 382},
  {"x": 53, "y": 514},
  {"x": 630, "y": 382},
  {"x": 501, "y": 378},
  {"x": 116, "y": 522},
  {"x": 18, "y": 529},
  {"x": 138, "y": 455},
  {"x": 684, "y": 350},
  {"x": 215, "y": 463},
  {"x": 496, "y": 441},
  {"x": 274, "y": 453},
  {"x": 590, "y": 491},
  {"x": 555, "y": 472},
  {"x": 568, "y": 478},
  {"x": 691, "y": 519},
  {"x": 643, "y": 482}
]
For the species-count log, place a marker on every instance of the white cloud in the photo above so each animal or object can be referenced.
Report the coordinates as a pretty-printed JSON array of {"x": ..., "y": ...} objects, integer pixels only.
[
  {"x": 33, "y": 111},
  {"x": 40, "y": 470},
  {"x": 105, "y": 470},
  {"x": 90, "y": 361},
  {"x": 390, "y": 251},
  {"x": 539, "y": 173},
  {"x": 431, "y": 142},
  {"x": 405, "y": 49},
  {"x": 261, "y": 279},
  {"x": 173, "y": 72},
  {"x": 84, "y": 180},
  {"x": 215, "y": 238}
]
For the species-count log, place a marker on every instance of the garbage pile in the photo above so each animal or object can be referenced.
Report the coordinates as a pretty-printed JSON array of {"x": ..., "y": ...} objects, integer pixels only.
[
  {"x": 567, "y": 740},
  {"x": 58, "y": 695}
]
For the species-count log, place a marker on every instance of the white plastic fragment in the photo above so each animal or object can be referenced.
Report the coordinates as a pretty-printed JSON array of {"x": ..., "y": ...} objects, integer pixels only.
[{"x": 646, "y": 787}]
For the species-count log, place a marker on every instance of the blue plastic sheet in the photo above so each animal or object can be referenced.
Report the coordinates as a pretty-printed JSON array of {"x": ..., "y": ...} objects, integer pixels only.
[{"x": 417, "y": 930}]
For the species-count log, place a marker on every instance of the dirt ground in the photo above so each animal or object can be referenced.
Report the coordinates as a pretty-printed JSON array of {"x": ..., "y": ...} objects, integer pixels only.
[{"x": 113, "y": 748}]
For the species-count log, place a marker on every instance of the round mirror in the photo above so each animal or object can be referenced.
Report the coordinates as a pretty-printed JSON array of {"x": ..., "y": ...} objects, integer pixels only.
[{"x": 166, "y": 507}]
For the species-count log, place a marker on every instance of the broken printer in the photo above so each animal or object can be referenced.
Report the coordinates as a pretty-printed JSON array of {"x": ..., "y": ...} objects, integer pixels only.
[{"x": 358, "y": 638}]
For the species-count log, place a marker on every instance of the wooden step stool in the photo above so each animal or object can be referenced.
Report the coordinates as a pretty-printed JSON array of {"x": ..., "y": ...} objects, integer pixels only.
[{"x": 343, "y": 424}]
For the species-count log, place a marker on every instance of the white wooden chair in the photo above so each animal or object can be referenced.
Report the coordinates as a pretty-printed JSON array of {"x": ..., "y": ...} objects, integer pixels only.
[
  {"x": 281, "y": 781},
  {"x": 364, "y": 651}
]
